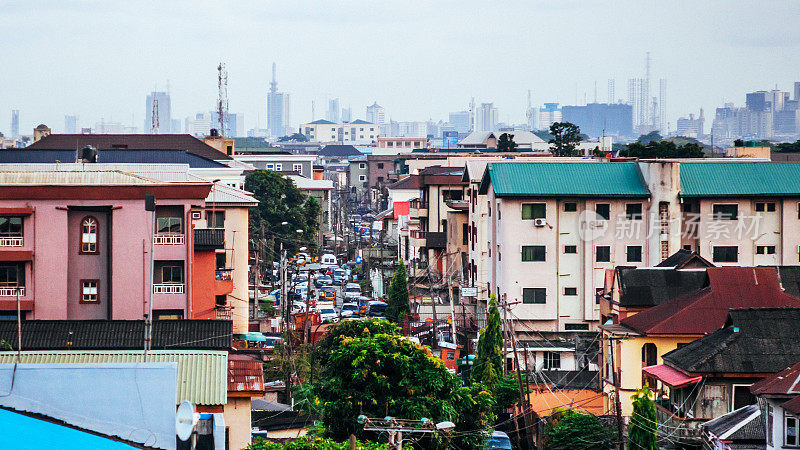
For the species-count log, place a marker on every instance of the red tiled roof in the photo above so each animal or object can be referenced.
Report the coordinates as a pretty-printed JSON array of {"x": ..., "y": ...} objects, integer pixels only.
[
  {"x": 245, "y": 376},
  {"x": 185, "y": 142},
  {"x": 705, "y": 310},
  {"x": 793, "y": 405},
  {"x": 786, "y": 382}
]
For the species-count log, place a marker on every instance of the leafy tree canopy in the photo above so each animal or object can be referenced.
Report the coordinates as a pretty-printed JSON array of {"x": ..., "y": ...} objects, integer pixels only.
[
  {"x": 788, "y": 147},
  {"x": 662, "y": 149},
  {"x": 566, "y": 137},
  {"x": 280, "y": 200},
  {"x": 313, "y": 443},
  {"x": 296, "y": 137},
  {"x": 398, "y": 295},
  {"x": 649, "y": 137},
  {"x": 387, "y": 374},
  {"x": 570, "y": 429},
  {"x": 642, "y": 428},
  {"x": 506, "y": 143}
]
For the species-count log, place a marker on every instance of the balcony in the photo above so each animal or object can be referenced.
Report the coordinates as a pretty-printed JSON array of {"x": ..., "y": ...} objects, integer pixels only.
[
  {"x": 168, "y": 288},
  {"x": 681, "y": 429},
  {"x": 11, "y": 241},
  {"x": 429, "y": 239},
  {"x": 11, "y": 291},
  {"x": 458, "y": 205},
  {"x": 209, "y": 239},
  {"x": 168, "y": 239},
  {"x": 418, "y": 208}
]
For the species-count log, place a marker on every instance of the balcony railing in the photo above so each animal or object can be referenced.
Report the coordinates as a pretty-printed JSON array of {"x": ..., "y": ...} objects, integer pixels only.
[
  {"x": 6, "y": 291},
  {"x": 167, "y": 288},
  {"x": 11, "y": 241},
  {"x": 168, "y": 239},
  {"x": 418, "y": 204},
  {"x": 680, "y": 428},
  {"x": 433, "y": 239},
  {"x": 224, "y": 274},
  {"x": 224, "y": 312}
]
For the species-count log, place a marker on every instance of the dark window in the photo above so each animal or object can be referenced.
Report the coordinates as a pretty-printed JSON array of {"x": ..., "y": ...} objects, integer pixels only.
[
  {"x": 12, "y": 275},
  {"x": 221, "y": 300},
  {"x": 552, "y": 361},
  {"x": 687, "y": 247},
  {"x": 570, "y": 249},
  {"x": 464, "y": 234},
  {"x": 380, "y": 165},
  {"x": 576, "y": 326},
  {"x": 215, "y": 219},
  {"x": 570, "y": 291},
  {"x": 534, "y": 295},
  {"x": 765, "y": 249},
  {"x": 649, "y": 354},
  {"x": 790, "y": 432},
  {"x": 169, "y": 225},
  {"x": 167, "y": 314},
  {"x": 726, "y": 254},
  {"x": 742, "y": 396},
  {"x": 89, "y": 235},
  {"x": 172, "y": 274},
  {"x": 570, "y": 207},
  {"x": 768, "y": 207},
  {"x": 221, "y": 260},
  {"x": 603, "y": 210},
  {"x": 380, "y": 179},
  {"x": 533, "y": 252},
  {"x": 633, "y": 211},
  {"x": 533, "y": 211},
  {"x": 603, "y": 253},
  {"x": 634, "y": 253},
  {"x": 725, "y": 212},
  {"x": 10, "y": 226}
]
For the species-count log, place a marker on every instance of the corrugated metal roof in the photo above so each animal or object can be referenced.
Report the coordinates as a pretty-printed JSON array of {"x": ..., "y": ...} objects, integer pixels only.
[
  {"x": 152, "y": 156},
  {"x": 785, "y": 382},
  {"x": 244, "y": 376},
  {"x": 577, "y": 179},
  {"x": 201, "y": 373},
  {"x": 73, "y": 177},
  {"x": 741, "y": 179},
  {"x": 222, "y": 193},
  {"x": 128, "y": 142}
]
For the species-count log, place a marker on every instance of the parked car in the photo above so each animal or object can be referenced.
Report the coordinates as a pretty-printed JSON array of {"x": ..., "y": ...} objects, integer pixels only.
[
  {"x": 323, "y": 280},
  {"x": 349, "y": 310},
  {"x": 352, "y": 290},
  {"x": 500, "y": 441},
  {"x": 328, "y": 315}
]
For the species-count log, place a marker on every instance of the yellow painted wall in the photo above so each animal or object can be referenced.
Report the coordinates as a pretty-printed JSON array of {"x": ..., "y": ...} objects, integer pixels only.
[
  {"x": 628, "y": 353},
  {"x": 237, "y": 420}
]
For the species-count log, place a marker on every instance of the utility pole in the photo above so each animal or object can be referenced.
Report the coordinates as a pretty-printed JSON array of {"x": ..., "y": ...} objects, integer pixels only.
[
  {"x": 617, "y": 405},
  {"x": 287, "y": 330},
  {"x": 452, "y": 305},
  {"x": 150, "y": 205},
  {"x": 523, "y": 398},
  {"x": 435, "y": 331}
]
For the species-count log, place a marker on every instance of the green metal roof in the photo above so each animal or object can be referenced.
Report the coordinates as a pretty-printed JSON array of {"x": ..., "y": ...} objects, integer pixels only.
[
  {"x": 202, "y": 374},
  {"x": 740, "y": 179},
  {"x": 578, "y": 179}
]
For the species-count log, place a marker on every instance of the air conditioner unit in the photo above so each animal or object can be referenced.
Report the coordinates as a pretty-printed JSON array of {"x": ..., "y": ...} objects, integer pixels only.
[{"x": 539, "y": 222}]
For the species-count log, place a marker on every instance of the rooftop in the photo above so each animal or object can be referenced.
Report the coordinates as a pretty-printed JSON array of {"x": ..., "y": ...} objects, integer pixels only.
[
  {"x": 743, "y": 424},
  {"x": 740, "y": 179},
  {"x": 149, "y": 156},
  {"x": 705, "y": 310},
  {"x": 785, "y": 382},
  {"x": 578, "y": 179},
  {"x": 129, "y": 142},
  {"x": 753, "y": 341},
  {"x": 520, "y": 137},
  {"x": 339, "y": 150},
  {"x": 646, "y": 287}
]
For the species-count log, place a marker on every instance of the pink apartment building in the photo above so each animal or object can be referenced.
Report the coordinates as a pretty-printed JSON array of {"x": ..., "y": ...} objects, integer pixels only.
[{"x": 76, "y": 244}]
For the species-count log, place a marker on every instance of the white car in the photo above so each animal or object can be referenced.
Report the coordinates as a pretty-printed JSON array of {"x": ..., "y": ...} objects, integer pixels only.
[
  {"x": 328, "y": 260},
  {"x": 352, "y": 290},
  {"x": 349, "y": 310},
  {"x": 328, "y": 314}
]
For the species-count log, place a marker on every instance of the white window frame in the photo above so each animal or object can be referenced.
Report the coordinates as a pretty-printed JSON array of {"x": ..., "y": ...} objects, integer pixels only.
[
  {"x": 270, "y": 166},
  {"x": 786, "y": 417},
  {"x": 362, "y": 165},
  {"x": 297, "y": 168},
  {"x": 278, "y": 167},
  {"x": 362, "y": 178}
]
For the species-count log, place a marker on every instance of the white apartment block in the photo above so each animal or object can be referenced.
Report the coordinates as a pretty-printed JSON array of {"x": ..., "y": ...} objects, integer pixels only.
[{"x": 355, "y": 132}]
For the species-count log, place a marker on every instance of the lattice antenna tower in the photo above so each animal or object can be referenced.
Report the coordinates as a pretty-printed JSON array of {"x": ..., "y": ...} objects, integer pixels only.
[{"x": 222, "y": 99}]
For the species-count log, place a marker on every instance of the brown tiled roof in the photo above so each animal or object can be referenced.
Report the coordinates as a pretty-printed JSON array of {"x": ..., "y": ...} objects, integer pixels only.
[
  {"x": 130, "y": 141},
  {"x": 705, "y": 310},
  {"x": 785, "y": 382}
]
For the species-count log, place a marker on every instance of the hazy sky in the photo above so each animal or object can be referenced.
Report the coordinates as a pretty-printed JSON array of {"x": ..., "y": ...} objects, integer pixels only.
[{"x": 418, "y": 59}]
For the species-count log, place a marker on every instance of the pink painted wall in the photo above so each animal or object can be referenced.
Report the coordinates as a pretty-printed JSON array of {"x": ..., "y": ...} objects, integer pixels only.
[{"x": 53, "y": 276}]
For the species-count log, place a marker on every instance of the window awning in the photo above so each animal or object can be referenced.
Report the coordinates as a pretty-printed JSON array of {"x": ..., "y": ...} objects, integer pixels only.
[
  {"x": 670, "y": 376},
  {"x": 254, "y": 336}
]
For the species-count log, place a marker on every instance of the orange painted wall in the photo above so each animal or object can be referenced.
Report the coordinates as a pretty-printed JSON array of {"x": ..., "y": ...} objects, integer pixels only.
[
  {"x": 544, "y": 400},
  {"x": 203, "y": 296}
]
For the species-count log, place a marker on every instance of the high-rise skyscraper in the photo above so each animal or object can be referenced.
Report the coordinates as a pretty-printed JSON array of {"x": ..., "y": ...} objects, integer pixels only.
[
  {"x": 548, "y": 115},
  {"x": 376, "y": 114},
  {"x": 487, "y": 117},
  {"x": 333, "y": 113},
  {"x": 662, "y": 105},
  {"x": 347, "y": 114},
  {"x": 797, "y": 90},
  {"x": 70, "y": 124},
  {"x": 611, "y": 93},
  {"x": 164, "y": 110},
  {"x": 14, "y": 123},
  {"x": 460, "y": 120},
  {"x": 277, "y": 108},
  {"x": 175, "y": 127}
]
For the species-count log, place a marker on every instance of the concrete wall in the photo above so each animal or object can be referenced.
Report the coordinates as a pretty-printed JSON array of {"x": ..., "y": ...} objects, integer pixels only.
[{"x": 237, "y": 420}]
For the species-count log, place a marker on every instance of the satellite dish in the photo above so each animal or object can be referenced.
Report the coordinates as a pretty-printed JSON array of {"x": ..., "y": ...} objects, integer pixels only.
[{"x": 184, "y": 420}]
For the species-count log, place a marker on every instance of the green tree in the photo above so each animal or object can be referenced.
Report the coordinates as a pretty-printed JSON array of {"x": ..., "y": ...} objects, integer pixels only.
[
  {"x": 389, "y": 375},
  {"x": 312, "y": 443},
  {"x": 281, "y": 201},
  {"x": 788, "y": 147},
  {"x": 649, "y": 137},
  {"x": 565, "y": 137},
  {"x": 488, "y": 363},
  {"x": 570, "y": 429},
  {"x": 642, "y": 428},
  {"x": 506, "y": 143},
  {"x": 296, "y": 137},
  {"x": 359, "y": 329},
  {"x": 398, "y": 295},
  {"x": 662, "y": 149}
]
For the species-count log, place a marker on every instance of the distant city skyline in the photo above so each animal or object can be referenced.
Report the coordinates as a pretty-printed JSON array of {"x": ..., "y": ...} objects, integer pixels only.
[{"x": 707, "y": 60}]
